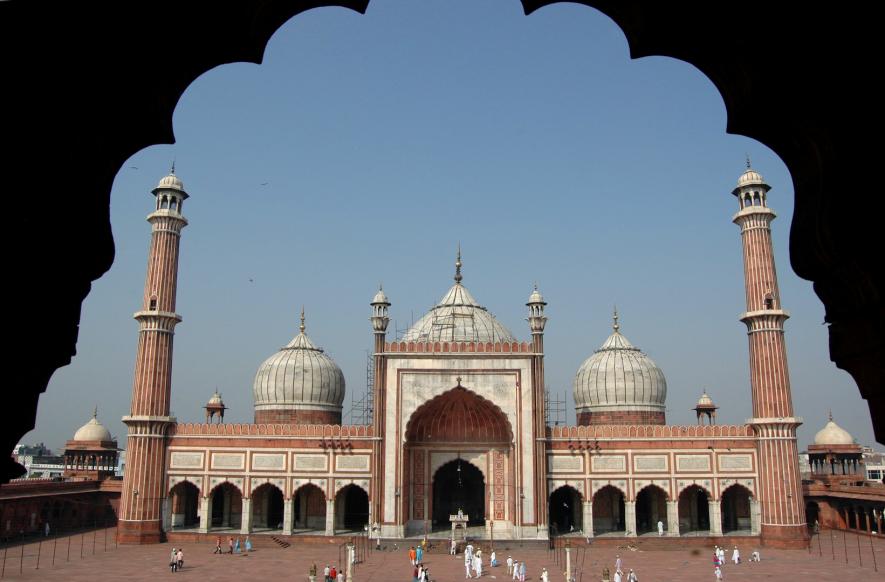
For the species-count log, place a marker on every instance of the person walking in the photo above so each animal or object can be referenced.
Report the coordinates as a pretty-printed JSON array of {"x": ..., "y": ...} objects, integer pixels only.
[
  {"x": 454, "y": 548},
  {"x": 217, "y": 545},
  {"x": 333, "y": 574},
  {"x": 717, "y": 571},
  {"x": 230, "y": 545},
  {"x": 477, "y": 564},
  {"x": 340, "y": 576},
  {"x": 419, "y": 554},
  {"x": 618, "y": 576},
  {"x": 631, "y": 576},
  {"x": 660, "y": 527},
  {"x": 248, "y": 544},
  {"x": 468, "y": 564},
  {"x": 617, "y": 562},
  {"x": 515, "y": 570},
  {"x": 493, "y": 560},
  {"x": 179, "y": 558},
  {"x": 412, "y": 555},
  {"x": 522, "y": 571},
  {"x": 736, "y": 556},
  {"x": 416, "y": 573},
  {"x": 312, "y": 573},
  {"x": 544, "y": 576},
  {"x": 237, "y": 545},
  {"x": 509, "y": 565},
  {"x": 326, "y": 572},
  {"x": 721, "y": 557},
  {"x": 173, "y": 560}
]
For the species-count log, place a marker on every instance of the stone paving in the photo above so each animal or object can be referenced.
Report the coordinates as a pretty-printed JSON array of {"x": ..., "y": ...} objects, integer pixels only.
[{"x": 269, "y": 562}]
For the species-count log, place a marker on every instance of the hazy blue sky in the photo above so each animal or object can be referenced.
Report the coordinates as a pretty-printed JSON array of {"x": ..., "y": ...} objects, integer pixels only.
[{"x": 385, "y": 139}]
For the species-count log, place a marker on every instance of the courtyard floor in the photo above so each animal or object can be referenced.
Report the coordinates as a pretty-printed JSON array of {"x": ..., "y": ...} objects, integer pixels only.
[{"x": 831, "y": 559}]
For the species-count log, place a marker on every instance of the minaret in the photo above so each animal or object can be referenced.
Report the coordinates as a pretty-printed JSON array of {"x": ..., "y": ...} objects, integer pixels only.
[
  {"x": 779, "y": 491},
  {"x": 537, "y": 321},
  {"x": 380, "y": 320},
  {"x": 149, "y": 420}
]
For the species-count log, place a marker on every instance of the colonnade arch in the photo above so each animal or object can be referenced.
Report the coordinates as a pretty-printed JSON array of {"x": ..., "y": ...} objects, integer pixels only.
[
  {"x": 736, "y": 509},
  {"x": 566, "y": 510},
  {"x": 267, "y": 507},
  {"x": 609, "y": 511},
  {"x": 225, "y": 507},
  {"x": 694, "y": 511},
  {"x": 651, "y": 507},
  {"x": 309, "y": 507},
  {"x": 185, "y": 504},
  {"x": 351, "y": 508}
]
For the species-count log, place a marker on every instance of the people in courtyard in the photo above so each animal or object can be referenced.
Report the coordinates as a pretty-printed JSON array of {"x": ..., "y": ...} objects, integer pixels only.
[
  {"x": 179, "y": 558},
  {"x": 493, "y": 560},
  {"x": 755, "y": 557},
  {"x": 509, "y": 565},
  {"x": 736, "y": 556},
  {"x": 631, "y": 576},
  {"x": 217, "y": 545},
  {"x": 660, "y": 527},
  {"x": 312, "y": 573},
  {"x": 230, "y": 545},
  {"x": 413, "y": 555},
  {"x": 248, "y": 544},
  {"x": 173, "y": 560},
  {"x": 544, "y": 575},
  {"x": 326, "y": 572},
  {"x": 419, "y": 554},
  {"x": 522, "y": 571}
]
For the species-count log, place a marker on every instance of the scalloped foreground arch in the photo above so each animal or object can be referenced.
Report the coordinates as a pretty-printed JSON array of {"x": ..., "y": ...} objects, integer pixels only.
[{"x": 770, "y": 83}]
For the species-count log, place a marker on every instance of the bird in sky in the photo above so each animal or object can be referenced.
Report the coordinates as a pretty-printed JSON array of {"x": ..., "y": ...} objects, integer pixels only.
[
  {"x": 133, "y": 167},
  {"x": 264, "y": 183}
]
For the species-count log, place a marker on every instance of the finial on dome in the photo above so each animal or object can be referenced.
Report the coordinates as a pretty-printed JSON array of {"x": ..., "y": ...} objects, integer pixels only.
[
  {"x": 749, "y": 167},
  {"x": 616, "y": 326},
  {"x": 172, "y": 171},
  {"x": 458, "y": 264},
  {"x": 830, "y": 414},
  {"x": 301, "y": 327},
  {"x": 95, "y": 412}
]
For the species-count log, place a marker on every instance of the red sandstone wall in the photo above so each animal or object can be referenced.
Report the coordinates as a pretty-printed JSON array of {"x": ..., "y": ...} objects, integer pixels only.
[{"x": 297, "y": 417}]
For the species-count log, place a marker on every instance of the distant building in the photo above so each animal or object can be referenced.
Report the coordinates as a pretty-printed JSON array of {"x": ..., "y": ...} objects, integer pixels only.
[
  {"x": 69, "y": 492},
  {"x": 838, "y": 491}
]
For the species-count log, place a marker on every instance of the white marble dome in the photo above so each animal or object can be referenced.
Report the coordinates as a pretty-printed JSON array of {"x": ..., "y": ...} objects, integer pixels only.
[
  {"x": 300, "y": 376},
  {"x": 170, "y": 182},
  {"x": 93, "y": 431},
  {"x": 457, "y": 317},
  {"x": 833, "y": 434},
  {"x": 750, "y": 178},
  {"x": 618, "y": 377}
]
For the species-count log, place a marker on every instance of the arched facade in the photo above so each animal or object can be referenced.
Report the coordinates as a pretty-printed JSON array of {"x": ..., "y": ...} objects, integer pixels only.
[{"x": 225, "y": 507}]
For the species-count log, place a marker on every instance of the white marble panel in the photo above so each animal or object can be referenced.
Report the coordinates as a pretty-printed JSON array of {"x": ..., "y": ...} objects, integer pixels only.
[
  {"x": 228, "y": 460},
  {"x": 352, "y": 463},
  {"x": 186, "y": 460},
  {"x": 736, "y": 462},
  {"x": 268, "y": 461},
  {"x": 608, "y": 464},
  {"x": 692, "y": 462},
  {"x": 308, "y": 462},
  {"x": 565, "y": 463},
  {"x": 650, "y": 463}
]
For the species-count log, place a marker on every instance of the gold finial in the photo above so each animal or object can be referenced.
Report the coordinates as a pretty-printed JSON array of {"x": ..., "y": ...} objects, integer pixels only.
[
  {"x": 616, "y": 326},
  {"x": 830, "y": 414},
  {"x": 95, "y": 412},
  {"x": 749, "y": 167},
  {"x": 458, "y": 264},
  {"x": 301, "y": 327},
  {"x": 173, "y": 166}
]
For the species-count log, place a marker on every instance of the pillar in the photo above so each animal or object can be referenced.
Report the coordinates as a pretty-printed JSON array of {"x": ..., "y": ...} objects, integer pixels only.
[
  {"x": 167, "y": 514},
  {"x": 587, "y": 519},
  {"x": 630, "y": 518},
  {"x": 715, "y": 518},
  {"x": 755, "y": 515},
  {"x": 568, "y": 563},
  {"x": 673, "y": 518},
  {"x": 205, "y": 516},
  {"x": 246, "y": 516},
  {"x": 330, "y": 517},
  {"x": 288, "y": 515}
]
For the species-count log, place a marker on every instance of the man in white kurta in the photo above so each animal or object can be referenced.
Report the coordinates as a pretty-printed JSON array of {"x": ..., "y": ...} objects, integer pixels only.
[
  {"x": 660, "y": 527},
  {"x": 736, "y": 556},
  {"x": 477, "y": 565}
]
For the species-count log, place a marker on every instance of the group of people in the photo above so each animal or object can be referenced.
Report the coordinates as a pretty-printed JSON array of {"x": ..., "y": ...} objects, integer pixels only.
[
  {"x": 233, "y": 547},
  {"x": 619, "y": 573},
  {"x": 330, "y": 574},
  {"x": 516, "y": 569},
  {"x": 176, "y": 560},
  {"x": 472, "y": 562},
  {"x": 719, "y": 559},
  {"x": 420, "y": 572}
]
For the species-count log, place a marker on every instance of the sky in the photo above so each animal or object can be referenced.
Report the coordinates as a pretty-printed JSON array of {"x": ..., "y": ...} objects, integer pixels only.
[{"x": 365, "y": 148}]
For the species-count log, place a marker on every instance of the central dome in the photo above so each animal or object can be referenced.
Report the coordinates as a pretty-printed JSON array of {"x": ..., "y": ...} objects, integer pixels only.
[
  {"x": 619, "y": 384},
  {"x": 458, "y": 318}
]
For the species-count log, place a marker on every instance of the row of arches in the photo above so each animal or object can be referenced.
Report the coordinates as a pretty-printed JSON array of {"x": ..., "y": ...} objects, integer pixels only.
[
  {"x": 266, "y": 510},
  {"x": 693, "y": 513}
]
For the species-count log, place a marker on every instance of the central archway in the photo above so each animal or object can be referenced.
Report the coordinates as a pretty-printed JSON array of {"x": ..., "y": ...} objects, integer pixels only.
[
  {"x": 458, "y": 485},
  {"x": 458, "y": 450}
]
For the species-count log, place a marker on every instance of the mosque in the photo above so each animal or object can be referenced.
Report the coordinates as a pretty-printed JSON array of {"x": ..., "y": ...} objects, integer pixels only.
[{"x": 459, "y": 425}]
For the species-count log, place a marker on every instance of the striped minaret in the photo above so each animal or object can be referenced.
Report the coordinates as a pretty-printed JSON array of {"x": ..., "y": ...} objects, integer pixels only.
[
  {"x": 779, "y": 491},
  {"x": 149, "y": 420},
  {"x": 537, "y": 322}
]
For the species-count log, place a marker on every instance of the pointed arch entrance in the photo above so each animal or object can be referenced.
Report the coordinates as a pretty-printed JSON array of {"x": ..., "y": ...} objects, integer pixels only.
[{"x": 457, "y": 430}]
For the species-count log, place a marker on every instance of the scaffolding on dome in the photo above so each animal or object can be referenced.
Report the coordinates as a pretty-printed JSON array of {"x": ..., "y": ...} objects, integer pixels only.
[{"x": 361, "y": 410}]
